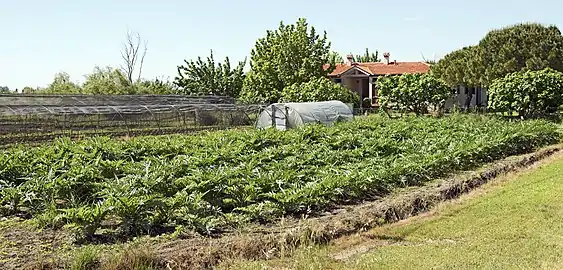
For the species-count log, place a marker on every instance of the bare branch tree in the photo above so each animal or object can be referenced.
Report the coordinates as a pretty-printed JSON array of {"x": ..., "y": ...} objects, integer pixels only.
[
  {"x": 428, "y": 61},
  {"x": 130, "y": 55},
  {"x": 142, "y": 61}
]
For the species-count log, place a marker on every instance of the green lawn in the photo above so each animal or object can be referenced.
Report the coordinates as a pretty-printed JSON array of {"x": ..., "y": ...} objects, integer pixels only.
[{"x": 516, "y": 223}]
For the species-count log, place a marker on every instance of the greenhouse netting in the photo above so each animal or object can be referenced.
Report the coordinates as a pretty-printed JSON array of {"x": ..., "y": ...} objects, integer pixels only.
[
  {"x": 292, "y": 115},
  {"x": 37, "y": 118}
]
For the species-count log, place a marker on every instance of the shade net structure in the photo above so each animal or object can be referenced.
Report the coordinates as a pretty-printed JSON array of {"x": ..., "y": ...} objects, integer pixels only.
[
  {"x": 25, "y": 118},
  {"x": 292, "y": 115}
]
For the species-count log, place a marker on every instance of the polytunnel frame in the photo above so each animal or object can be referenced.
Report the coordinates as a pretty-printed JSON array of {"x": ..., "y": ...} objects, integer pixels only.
[
  {"x": 122, "y": 110},
  {"x": 102, "y": 100},
  {"x": 40, "y": 117},
  {"x": 292, "y": 110}
]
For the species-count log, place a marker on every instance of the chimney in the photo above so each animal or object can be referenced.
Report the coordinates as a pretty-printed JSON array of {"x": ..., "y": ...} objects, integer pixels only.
[
  {"x": 350, "y": 59},
  {"x": 386, "y": 58}
]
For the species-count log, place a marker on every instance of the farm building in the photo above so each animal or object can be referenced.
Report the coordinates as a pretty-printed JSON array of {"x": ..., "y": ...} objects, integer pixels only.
[
  {"x": 468, "y": 97},
  {"x": 292, "y": 115},
  {"x": 361, "y": 78}
]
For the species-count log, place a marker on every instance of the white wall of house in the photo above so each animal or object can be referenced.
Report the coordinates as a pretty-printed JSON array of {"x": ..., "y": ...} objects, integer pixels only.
[
  {"x": 352, "y": 83},
  {"x": 458, "y": 100},
  {"x": 358, "y": 84}
]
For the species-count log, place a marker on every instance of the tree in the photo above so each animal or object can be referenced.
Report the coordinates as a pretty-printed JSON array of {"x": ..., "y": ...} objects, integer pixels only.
[
  {"x": 62, "y": 85},
  {"x": 208, "y": 78},
  {"x": 366, "y": 57},
  {"x": 131, "y": 55},
  {"x": 292, "y": 54},
  {"x": 156, "y": 87},
  {"x": 453, "y": 69},
  {"x": 429, "y": 61},
  {"x": 5, "y": 90},
  {"x": 29, "y": 90},
  {"x": 413, "y": 92},
  {"x": 319, "y": 89},
  {"x": 528, "y": 46},
  {"x": 461, "y": 67},
  {"x": 530, "y": 93},
  {"x": 107, "y": 81},
  {"x": 336, "y": 58}
]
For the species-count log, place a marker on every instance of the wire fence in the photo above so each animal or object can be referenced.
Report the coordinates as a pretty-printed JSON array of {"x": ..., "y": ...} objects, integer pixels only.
[{"x": 38, "y": 118}]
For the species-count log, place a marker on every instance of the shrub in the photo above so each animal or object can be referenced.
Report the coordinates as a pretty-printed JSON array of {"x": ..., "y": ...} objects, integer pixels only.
[
  {"x": 413, "y": 92},
  {"x": 320, "y": 89},
  {"x": 530, "y": 93}
]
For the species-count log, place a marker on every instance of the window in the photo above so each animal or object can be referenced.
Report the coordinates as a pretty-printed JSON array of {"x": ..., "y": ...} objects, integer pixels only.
[{"x": 338, "y": 80}]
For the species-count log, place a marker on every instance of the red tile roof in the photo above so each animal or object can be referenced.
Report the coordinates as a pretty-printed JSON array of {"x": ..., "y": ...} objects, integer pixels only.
[{"x": 382, "y": 68}]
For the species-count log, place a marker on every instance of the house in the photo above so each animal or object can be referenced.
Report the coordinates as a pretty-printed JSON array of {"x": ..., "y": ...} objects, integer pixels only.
[
  {"x": 468, "y": 97},
  {"x": 361, "y": 78}
]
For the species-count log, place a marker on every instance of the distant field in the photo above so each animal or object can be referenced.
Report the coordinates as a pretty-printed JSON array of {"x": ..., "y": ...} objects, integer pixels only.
[
  {"x": 216, "y": 180},
  {"x": 514, "y": 224}
]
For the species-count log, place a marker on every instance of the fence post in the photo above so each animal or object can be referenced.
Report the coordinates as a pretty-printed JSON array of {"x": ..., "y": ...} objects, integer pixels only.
[
  {"x": 286, "y": 116},
  {"x": 273, "y": 115}
]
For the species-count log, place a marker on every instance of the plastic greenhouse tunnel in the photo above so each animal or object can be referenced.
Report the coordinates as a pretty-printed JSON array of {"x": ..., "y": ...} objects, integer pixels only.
[{"x": 284, "y": 116}]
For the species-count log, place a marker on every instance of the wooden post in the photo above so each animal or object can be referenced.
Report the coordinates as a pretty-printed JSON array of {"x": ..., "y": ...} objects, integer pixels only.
[
  {"x": 286, "y": 117},
  {"x": 370, "y": 91},
  {"x": 273, "y": 116}
]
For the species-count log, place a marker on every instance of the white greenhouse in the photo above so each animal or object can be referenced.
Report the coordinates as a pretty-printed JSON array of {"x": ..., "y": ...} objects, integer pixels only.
[{"x": 291, "y": 115}]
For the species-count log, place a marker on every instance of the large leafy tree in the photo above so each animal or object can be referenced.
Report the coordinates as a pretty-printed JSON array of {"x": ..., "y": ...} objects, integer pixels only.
[
  {"x": 210, "y": 78},
  {"x": 319, "y": 89},
  {"x": 453, "y": 68},
  {"x": 291, "y": 54},
  {"x": 461, "y": 67},
  {"x": 156, "y": 87},
  {"x": 528, "y": 46},
  {"x": 62, "y": 85},
  {"x": 109, "y": 81},
  {"x": 413, "y": 92},
  {"x": 530, "y": 93}
]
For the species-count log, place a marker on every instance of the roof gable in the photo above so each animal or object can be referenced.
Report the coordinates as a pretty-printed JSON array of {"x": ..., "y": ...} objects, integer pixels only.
[
  {"x": 356, "y": 70},
  {"x": 381, "y": 68}
]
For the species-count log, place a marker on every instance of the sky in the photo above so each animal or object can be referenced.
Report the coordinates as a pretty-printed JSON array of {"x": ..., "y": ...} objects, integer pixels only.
[{"x": 40, "y": 38}]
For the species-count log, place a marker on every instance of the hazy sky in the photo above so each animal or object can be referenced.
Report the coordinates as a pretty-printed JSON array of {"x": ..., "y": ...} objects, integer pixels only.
[{"x": 42, "y": 37}]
